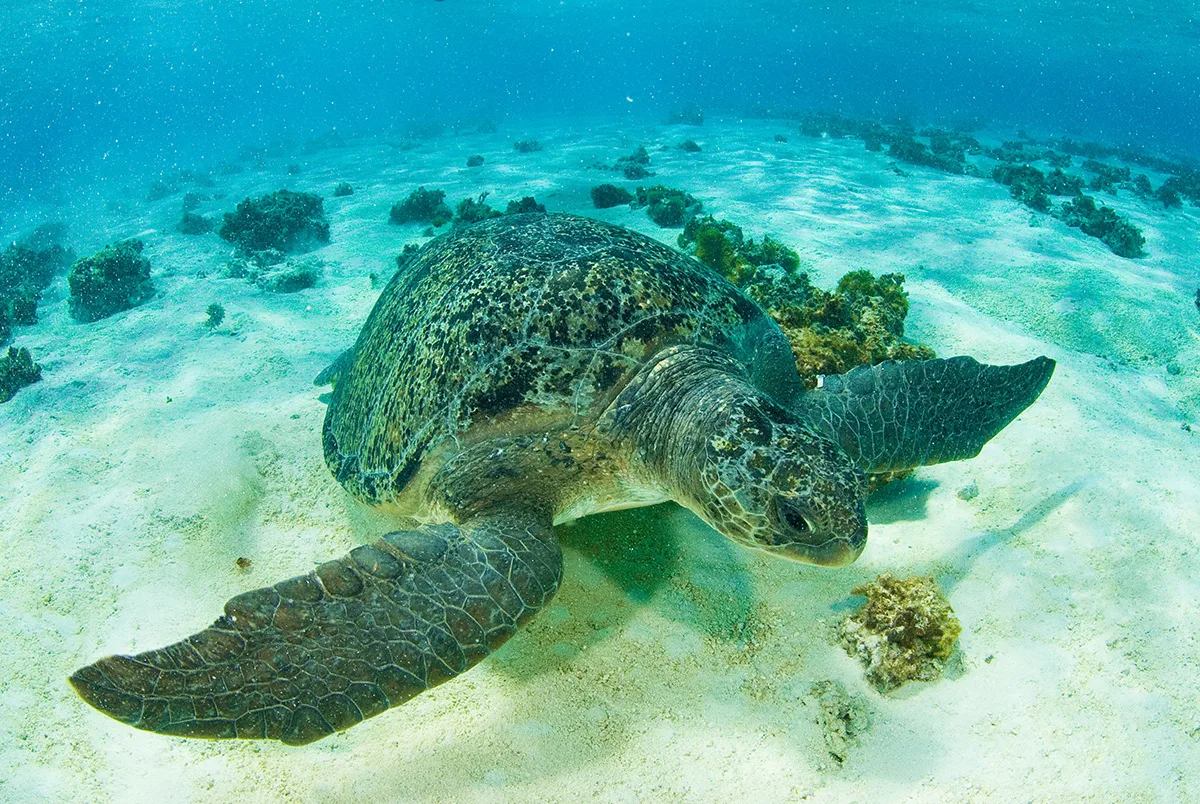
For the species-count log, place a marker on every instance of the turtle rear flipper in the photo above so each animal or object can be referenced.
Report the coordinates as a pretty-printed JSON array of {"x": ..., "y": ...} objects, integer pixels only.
[
  {"x": 902, "y": 414},
  {"x": 318, "y": 653},
  {"x": 330, "y": 374}
]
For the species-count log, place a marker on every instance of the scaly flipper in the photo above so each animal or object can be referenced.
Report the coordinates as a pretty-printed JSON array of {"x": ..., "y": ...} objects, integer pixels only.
[
  {"x": 330, "y": 374},
  {"x": 902, "y": 414},
  {"x": 319, "y": 653}
]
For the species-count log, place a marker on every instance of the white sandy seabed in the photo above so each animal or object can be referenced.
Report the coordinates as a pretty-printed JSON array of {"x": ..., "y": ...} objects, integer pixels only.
[{"x": 672, "y": 665}]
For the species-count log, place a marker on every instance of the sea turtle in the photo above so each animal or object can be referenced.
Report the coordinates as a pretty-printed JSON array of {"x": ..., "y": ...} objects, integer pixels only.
[{"x": 523, "y": 372}]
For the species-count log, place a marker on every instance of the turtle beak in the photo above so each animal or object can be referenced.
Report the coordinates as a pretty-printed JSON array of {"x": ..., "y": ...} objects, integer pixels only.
[
  {"x": 823, "y": 550},
  {"x": 814, "y": 537}
]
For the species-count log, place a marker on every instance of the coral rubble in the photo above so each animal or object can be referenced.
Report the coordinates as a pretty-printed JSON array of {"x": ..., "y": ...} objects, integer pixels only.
[
  {"x": 905, "y": 632},
  {"x": 841, "y": 718},
  {"x": 269, "y": 270}
]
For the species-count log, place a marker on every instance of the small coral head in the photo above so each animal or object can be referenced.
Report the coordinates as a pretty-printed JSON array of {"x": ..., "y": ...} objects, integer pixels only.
[{"x": 776, "y": 486}]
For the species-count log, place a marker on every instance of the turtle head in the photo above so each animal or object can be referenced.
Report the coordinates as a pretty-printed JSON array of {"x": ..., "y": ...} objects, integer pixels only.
[
  {"x": 741, "y": 462},
  {"x": 775, "y": 485}
]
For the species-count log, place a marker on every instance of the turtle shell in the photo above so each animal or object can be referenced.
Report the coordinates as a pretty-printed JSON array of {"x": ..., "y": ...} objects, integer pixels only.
[{"x": 519, "y": 324}]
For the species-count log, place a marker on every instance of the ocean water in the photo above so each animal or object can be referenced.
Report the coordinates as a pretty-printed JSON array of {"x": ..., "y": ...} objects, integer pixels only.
[{"x": 1033, "y": 172}]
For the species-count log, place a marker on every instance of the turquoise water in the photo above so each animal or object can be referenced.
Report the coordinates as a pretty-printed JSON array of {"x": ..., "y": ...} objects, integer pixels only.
[
  {"x": 127, "y": 84},
  {"x": 1031, "y": 170}
]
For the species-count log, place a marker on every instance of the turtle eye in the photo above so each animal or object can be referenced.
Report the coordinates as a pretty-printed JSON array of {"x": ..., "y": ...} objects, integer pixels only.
[{"x": 792, "y": 516}]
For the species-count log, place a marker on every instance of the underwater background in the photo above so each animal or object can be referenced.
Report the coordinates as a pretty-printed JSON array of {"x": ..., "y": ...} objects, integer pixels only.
[
  {"x": 1027, "y": 173},
  {"x": 160, "y": 84}
]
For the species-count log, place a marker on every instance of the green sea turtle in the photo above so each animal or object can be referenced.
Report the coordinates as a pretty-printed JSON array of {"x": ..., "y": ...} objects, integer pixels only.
[{"x": 522, "y": 372}]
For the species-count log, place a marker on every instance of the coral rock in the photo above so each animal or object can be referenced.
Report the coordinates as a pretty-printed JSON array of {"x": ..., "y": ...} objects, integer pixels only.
[
  {"x": 115, "y": 278},
  {"x": 905, "y": 632}
]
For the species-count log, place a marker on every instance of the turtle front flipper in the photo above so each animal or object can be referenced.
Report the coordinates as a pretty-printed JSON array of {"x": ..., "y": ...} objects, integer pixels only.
[
  {"x": 321, "y": 652},
  {"x": 902, "y": 414}
]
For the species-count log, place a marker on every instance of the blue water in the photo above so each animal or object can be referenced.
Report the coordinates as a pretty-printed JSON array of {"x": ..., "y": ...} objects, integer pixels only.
[{"x": 92, "y": 86}]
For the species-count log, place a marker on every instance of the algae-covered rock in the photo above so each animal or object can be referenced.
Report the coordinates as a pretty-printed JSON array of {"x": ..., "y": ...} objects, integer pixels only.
[
  {"x": 1186, "y": 184},
  {"x": 906, "y": 149},
  {"x": 193, "y": 224},
  {"x": 17, "y": 370},
  {"x": 115, "y": 278},
  {"x": 1106, "y": 177},
  {"x": 1060, "y": 183},
  {"x": 1169, "y": 196},
  {"x": 191, "y": 201},
  {"x": 159, "y": 190},
  {"x": 422, "y": 206},
  {"x": 905, "y": 632},
  {"x": 474, "y": 210},
  {"x": 668, "y": 207},
  {"x": 860, "y": 323},
  {"x": 406, "y": 256},
  {"x": 635, "y": 172},
  {"x": 1122, "y": 237},
  {"x": 1025, "y": 183},
  {"x": 295, "y": 275},
  {"x": 525, "y": 205},
  {"x": 605, "y": 196},
  {"x": 25, "y": 271},
  {"x": 633, "y": 166},
  {"x": 723, "y": 246},
  {"x": 283, "y": 220}
]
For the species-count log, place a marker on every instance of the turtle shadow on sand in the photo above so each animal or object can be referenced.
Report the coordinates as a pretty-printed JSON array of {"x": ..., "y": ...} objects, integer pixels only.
[
  {"x": 700, "y": 580},
  {"x": 637, "y": 549},
  {"x": 904, "y": 500},
  {"x": 659, "y": 553},
  {"x": 963, "y": 556}
]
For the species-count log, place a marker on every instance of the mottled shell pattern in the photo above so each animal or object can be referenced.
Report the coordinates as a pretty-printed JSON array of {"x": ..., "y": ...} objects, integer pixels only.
[{"x": 519, "y": 324}]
